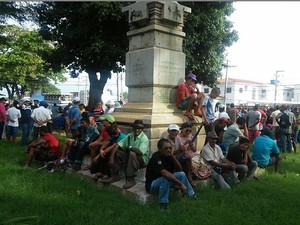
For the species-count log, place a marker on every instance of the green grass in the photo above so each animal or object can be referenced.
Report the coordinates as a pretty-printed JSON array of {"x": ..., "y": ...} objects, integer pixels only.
[{"x": 51, "y": 198}]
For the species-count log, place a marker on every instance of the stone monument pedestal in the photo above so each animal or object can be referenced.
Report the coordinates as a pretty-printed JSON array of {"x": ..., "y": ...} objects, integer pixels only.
[{"x": 155, "y": 65}]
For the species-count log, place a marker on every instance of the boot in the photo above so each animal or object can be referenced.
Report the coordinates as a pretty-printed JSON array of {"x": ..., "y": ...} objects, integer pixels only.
[{"x": 130, "y": 182}]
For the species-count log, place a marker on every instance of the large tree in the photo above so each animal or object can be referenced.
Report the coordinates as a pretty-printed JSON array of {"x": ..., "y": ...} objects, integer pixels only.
[
  {"x": 92, "y": 37},
  {"x": 208, "y": 33},
  {"x": 24, "y": 61}
]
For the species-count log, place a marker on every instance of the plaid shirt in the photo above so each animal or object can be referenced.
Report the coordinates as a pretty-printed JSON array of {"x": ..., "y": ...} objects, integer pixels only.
[{"x": 288, "y": 130}]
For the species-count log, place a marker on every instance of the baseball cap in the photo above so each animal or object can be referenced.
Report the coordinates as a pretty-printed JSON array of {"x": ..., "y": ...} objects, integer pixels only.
[
  {"x": 192, "y": 76},
  {"x": 173, "y": 127},
  {"x": 76, "y": 99},
  {"x": 222, "y": 106},
  {"x": 108, "y": 117},
  {"x": 43, "y": 103}
]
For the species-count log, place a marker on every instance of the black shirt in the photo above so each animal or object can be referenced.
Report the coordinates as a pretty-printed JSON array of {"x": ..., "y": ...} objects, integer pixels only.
[
  {"x": 157, "y": 163},
  {"x": 235, "y": 154}
]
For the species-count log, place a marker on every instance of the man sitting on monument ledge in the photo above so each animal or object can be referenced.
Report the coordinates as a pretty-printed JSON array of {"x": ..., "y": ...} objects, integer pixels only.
[{"x": 189, "y": 98}]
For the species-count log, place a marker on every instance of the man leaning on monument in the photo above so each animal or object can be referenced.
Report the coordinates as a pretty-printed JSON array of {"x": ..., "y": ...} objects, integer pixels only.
[
  {"x": 133, "y": 151},
  {"x": 188, "y": 97}
]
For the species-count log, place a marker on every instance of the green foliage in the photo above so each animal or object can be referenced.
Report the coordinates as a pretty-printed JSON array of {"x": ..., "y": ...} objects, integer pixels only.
[
  {"x": 53, "y": 198},
  {"x": 208, "y": 33},
  {"x": 23, "y": 64}
]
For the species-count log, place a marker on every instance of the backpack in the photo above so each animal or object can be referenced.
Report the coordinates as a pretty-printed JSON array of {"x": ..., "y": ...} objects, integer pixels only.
[{"x": 284, "y": 121}]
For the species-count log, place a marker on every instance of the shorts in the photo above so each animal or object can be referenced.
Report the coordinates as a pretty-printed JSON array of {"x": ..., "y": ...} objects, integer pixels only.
[
  {"x": 13, "y": 131},
  {"x": 185, "y": 103},
  {"x": 44, "y": 155}
]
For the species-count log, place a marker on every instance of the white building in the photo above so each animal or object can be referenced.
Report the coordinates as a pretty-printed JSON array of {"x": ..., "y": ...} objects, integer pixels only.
[{"x": 247, "y": 93}]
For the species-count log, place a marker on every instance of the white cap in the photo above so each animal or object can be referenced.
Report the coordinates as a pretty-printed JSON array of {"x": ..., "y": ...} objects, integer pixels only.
[
  {"x": 76, "y": 99},
  {"x": 173, "y": 127},
  {"x": 221, "y": 106},
  {"x": 109, "y": 102}
]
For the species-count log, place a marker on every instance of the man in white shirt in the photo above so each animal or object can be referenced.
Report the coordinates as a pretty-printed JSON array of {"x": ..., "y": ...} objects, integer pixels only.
[
  {"x": 13, "y": 116},
  {"x": 41, "y": 116}
]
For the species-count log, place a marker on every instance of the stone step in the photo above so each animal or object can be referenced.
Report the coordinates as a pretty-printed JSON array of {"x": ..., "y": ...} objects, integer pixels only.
[{"x": 138, "y": 191}]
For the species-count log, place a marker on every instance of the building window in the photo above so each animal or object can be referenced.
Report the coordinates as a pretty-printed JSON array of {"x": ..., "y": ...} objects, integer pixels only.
[
  {"x": 240, "y": 90},
  {"x": 206, "y": 90},
  {"x": 228, "y": 90},
  {"x": 288, "y": 94},
  {"x": 263, "y": 93}
]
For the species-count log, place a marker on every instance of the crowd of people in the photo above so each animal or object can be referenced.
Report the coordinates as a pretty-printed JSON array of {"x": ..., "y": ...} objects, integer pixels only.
[{"x": 230, "y": 135}]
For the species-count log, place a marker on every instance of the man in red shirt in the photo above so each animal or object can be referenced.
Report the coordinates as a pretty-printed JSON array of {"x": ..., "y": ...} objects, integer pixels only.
[
  {"x": 2, "y": 116},
  {"x": 44, "y": 149},
  {"x": 188, "y": 97}
]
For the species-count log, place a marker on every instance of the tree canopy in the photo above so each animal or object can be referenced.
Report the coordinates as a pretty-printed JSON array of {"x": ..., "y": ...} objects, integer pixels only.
[
  {"x": 92, "y": 37},
  {"x": 208, "y": 33},
  {"x": 24, "y": 61}
]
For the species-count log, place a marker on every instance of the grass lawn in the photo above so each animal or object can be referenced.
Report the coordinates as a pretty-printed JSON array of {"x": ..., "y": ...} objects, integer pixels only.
[{"x": 52, "y": 199}]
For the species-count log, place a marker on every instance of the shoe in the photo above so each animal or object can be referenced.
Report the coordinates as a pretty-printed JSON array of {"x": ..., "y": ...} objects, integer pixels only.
[
  {"x": 129, "y": 183},
  {"x": 112, "y": 179},
  {"x": 164, "y": 207}
]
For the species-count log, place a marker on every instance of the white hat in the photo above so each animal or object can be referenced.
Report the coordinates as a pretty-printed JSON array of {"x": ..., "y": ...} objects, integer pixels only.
[
  {"x": 173, "y": 127},
  {"x": 76, "y": 99},
  {"x": 221, "y": 106},
  {"x": 109, "y": 102}
]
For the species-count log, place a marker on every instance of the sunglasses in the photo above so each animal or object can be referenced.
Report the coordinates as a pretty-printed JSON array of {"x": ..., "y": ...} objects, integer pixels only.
[{"x": 188, "y": 130}]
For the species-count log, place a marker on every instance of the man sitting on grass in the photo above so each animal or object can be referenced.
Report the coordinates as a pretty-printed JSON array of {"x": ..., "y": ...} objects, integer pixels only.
[
  {"x": 44, "y": 149},
  {"x": 266, "y": 151},
  {"x": 239, "y": 154},
  {"x": 164, "y": 172}
]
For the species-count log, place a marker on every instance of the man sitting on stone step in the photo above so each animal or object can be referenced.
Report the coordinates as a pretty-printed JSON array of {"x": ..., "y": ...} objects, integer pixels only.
[
  {"x": 164, "y": 172},
  {"x": 133, "y": 152},
  {"x": 189, "y": 98}
]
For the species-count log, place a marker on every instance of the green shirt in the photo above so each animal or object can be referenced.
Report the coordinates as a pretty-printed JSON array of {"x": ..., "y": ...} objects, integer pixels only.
[{"x": 141, "y": 142}]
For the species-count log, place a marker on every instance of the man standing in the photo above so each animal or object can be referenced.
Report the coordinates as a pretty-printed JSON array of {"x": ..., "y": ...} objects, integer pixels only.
[
  {"x": 253, "y": 118},
  {"x": 208, "y": 109},
  {"x": 164, "y": 172},
  {"x": 239, "y": 154},
  {"x": 41, "y": 116},
  {"x": 74, "y": 117},
  {"x": 233, "y": 113},
  {"x": 222, "y": 170},
  {"x": 2, "y": 116},
  {"x": 189, "y": 101},
  {"x": 13, "y": 116},
  {"x": 275, "y": 125},
  {"x": 286, "y": 120},
  {"x": 133, "y": 151},
  {"x": 26, "y": 121}
]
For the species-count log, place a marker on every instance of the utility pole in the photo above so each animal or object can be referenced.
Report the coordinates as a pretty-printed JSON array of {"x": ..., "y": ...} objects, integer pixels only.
[
  {"x": 226, "y": 81},
  {"x": 276, "y": 83}
]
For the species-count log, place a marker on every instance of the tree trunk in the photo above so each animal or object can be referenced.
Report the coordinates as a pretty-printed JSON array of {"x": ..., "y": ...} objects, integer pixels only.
[{"x": 96, "y": 86}]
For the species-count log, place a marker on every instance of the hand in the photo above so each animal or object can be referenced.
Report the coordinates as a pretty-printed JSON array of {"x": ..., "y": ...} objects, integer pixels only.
[
  {"x": 96, "y": 158},
  {"x": 183, "y": 188},
  {"x": 102, "y": 153}
]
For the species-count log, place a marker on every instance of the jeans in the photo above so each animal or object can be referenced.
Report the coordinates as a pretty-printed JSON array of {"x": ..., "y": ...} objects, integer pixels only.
[
  {"x": 161, "y": 186},
  {"x": 2, "y": 124},
  {"x": 77, "y": 152},
  {"x": 285, "y": 141},
  {"x": 26, "y": 128}
]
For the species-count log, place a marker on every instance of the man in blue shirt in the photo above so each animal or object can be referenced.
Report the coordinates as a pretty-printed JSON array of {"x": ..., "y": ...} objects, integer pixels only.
[
  {"x": 74, "y": 117},
  {"x": 266, "y": 151}
]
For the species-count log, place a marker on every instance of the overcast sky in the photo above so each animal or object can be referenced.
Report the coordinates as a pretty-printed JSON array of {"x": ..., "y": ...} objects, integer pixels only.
[{"x": 269, "y": 41}]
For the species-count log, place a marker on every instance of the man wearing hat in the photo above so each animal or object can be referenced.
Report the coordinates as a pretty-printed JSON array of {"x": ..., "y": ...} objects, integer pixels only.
[
  {"x": 2, "y": 116},
  {"x": 222, "y": 170},
  {"x": 26, "y": 121},
  {"x": 74, "y": 117},
  {"x": 41, "y": 116},
  {"x": 189, "y": 101},
  {"x": 133, "y": 151},
  {"x": 266, "y": 151}
]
